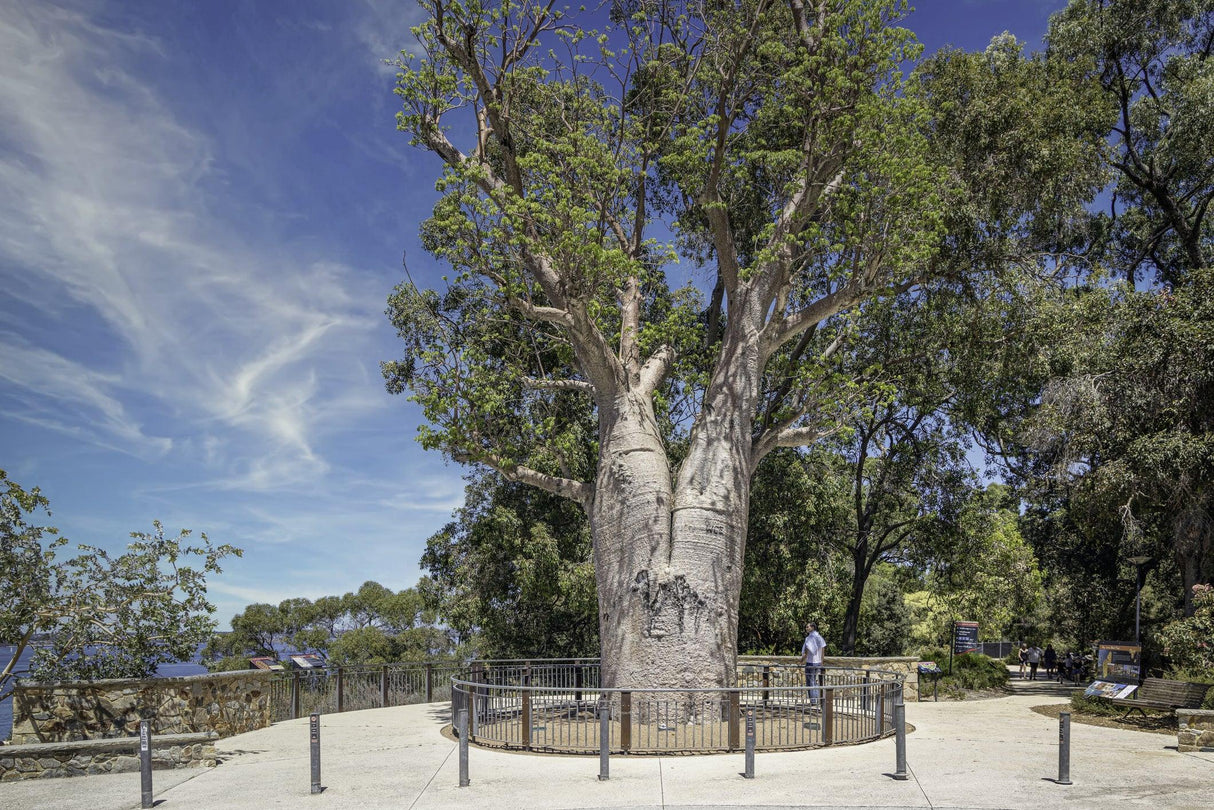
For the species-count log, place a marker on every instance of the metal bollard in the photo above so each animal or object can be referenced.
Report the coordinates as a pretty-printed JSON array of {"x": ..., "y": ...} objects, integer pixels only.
[
  {"x": 900, "y": 737},
  {"x": 145, "y": 763},
  {"x": 1064, "y": 748},
  {"x": 750, "y": 744},
  {"x": 314, "y": 737},
  {"x": 462, "y": 724},
  {"x": 604, "y": 740}
]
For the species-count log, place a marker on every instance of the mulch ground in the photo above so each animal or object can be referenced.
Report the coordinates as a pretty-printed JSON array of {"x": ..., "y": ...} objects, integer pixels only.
[{"x": 1152, "y": 723}]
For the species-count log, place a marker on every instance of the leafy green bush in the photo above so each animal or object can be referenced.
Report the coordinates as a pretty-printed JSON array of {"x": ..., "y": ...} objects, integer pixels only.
[
  {"x": 970, "y": 671},
  {"x": 1101, "y": 707},
  {"x": 976, "y": 671},
  {"x": 1187, "y": 641}
]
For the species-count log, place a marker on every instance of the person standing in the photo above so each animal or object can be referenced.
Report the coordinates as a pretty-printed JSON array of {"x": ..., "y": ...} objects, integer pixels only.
[
  {"x": 1034, "y": 659},
  {"x": 1051, "y": 660},
  {"x": 811, "y": 659},
  {"x": 1024, "y": 658}
]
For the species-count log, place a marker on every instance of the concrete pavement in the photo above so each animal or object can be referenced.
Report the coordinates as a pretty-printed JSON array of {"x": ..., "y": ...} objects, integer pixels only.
[{"x": 993, "y": 753}]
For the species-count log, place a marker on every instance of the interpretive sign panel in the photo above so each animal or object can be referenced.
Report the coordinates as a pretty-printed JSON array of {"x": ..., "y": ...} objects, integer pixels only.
[{"x": 1119, "y": 662}]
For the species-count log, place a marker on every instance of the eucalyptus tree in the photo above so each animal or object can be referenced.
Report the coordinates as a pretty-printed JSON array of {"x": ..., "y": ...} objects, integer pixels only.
[
  {"x": 1123, "y": 434},
  {"x": 1155, "y": 61},
  {"x": 779, "y": 147}
]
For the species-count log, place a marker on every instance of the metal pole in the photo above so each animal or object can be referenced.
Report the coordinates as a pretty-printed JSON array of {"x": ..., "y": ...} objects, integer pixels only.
[
  {"x": 899, "y": 736},
  {"x": 750, "y": 744},
  {"x": 145, "y": 763},
  {"x": 1064, "y": 748},
  {"x": 604, "y": 739},
  {"x": 314, "y": 736},
  {"x": 462, "y": 722},
  {"x": 1138, "y": 604}
]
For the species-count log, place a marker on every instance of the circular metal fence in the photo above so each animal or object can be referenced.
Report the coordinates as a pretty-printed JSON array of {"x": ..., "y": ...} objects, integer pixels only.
[{"x": 559, "y": 707}]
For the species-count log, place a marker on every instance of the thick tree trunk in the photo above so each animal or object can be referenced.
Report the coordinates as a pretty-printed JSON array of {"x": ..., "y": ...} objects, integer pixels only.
[
  {"x": 668, "y": 567},
  {"x": 668, "y": 555}
]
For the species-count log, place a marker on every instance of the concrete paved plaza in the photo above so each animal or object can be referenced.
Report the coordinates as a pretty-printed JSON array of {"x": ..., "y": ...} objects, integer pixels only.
[{"x": 993, "y": 753}]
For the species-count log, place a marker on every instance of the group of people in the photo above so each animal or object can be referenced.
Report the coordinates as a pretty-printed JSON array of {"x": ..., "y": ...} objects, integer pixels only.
[
  {"x": 1033, "y": 657},
  {"x": 1070, "y": 667}
]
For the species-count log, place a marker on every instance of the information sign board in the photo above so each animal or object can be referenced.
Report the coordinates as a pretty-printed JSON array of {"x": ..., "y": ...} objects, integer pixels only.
[{"x": 965, "y": 638}]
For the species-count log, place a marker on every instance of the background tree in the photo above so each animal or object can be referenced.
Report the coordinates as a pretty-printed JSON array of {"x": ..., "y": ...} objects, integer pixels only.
[
  {"x": 373, "y": 625},
  {"x": 512, "y": 573}
]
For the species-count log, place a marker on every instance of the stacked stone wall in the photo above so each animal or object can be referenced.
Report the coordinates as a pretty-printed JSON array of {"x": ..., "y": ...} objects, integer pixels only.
[
  {"x": 1195, "y": 730},
  {"x": 225, "y": 703},
  {"x": 88, "y": 757}
]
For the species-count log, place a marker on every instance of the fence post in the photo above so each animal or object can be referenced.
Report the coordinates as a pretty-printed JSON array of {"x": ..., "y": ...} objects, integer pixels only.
[
  {"x": 828, "y": 714},
  {"x": 462, "y": 720},
  {"x": 766, "y": 683},
  {"x": 526, "y": 719},
  {"x": 604, "y": 739},
  {"x": 145, "y": 763},
  {"x": 577, "y": 681},
  {"x": 341, "y": 690},
  {"x": 383, "y": 686},
  {"x": 900, "y": 738},
  {"x": 314, "y": 737},
  {"x": 626, "y": 721},
  {"x": 734, "y": 726},
  {"x": 880, "y": 708},
  {"x": 1064, "y": 748},
  {"x": 475, "y": 698},
  {"x": 750, "y": 744},
  {"x": 295, "y": 694},
  {"x": 429, "y": 683}
]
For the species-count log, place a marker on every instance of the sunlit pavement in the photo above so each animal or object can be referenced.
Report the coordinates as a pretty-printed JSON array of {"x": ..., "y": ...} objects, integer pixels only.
[{"x": 992, "y": 753}]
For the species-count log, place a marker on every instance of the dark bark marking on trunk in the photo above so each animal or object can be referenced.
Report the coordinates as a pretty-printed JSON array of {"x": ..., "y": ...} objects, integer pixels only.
[{"x": 670, "y": 605}]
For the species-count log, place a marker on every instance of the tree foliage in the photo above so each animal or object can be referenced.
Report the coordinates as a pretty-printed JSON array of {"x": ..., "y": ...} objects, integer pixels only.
[
  {"x": 373, "y": 625},
  {"x": 97, "y": 614}
]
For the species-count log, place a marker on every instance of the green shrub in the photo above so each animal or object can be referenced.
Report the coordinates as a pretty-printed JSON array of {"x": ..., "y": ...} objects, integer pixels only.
[
  {"x": 976, "y": 671},
  {"x": 1101, "y": 707},
  {"x": 1208, "y": 703}
]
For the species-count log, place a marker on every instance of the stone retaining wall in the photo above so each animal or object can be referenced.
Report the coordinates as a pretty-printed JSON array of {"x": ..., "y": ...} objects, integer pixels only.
[
  {"x": 225, "y": 703},
  {"x": 1195, "y": 729},
  {"x": 902, "y": 665},
  {"x": 87, "y": 757}
]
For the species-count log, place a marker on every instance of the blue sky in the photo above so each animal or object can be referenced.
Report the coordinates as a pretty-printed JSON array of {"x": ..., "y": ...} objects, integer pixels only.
[{"x": 203, "y": 208}]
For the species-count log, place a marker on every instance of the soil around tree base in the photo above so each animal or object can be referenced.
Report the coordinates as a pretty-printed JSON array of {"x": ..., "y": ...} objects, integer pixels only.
[{"x": 1152, "y": 723}]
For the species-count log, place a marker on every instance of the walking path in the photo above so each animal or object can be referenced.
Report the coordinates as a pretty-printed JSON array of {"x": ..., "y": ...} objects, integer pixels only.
[{"x": 993, "y": 753}]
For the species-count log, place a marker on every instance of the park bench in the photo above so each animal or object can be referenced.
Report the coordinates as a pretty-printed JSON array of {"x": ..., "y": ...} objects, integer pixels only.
[{"x": 1157, "y": 693}]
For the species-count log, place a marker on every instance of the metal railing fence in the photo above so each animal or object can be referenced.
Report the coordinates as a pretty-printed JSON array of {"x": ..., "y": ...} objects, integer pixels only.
[{"x": 550, "y": 707}]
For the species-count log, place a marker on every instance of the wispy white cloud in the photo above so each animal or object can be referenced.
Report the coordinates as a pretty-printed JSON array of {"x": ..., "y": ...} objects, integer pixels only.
[
  {"x": 104, "y": 208},
  {"x": 86, "y": 408}
]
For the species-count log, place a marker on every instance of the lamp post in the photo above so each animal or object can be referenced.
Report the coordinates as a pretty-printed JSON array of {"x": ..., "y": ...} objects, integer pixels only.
[{"x": 1138, "y": 563}]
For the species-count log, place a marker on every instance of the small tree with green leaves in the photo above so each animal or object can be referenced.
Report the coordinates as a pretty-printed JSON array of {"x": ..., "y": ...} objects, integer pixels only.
[{"x": 101, "y": 615}]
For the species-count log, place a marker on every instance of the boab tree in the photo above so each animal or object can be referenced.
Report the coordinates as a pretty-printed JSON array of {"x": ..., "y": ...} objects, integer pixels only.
[{"x": 775, "y": 145}]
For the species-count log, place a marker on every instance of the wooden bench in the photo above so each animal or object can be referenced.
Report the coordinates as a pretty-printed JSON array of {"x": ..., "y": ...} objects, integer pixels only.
[{"x": 1157, "y": 693}]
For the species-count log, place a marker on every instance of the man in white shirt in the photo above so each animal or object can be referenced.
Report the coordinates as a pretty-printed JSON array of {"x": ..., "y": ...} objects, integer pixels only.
[
  {"x": 1034, "y": 658},
  {"x": 811, "y": 658}
]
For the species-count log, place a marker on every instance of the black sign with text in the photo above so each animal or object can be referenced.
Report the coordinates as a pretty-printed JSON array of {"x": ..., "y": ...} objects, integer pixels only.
[{"x": 965, "y": 637}]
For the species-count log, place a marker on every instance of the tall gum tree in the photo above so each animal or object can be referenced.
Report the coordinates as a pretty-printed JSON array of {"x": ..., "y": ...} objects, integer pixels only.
[{"x": 778, "y": 147}]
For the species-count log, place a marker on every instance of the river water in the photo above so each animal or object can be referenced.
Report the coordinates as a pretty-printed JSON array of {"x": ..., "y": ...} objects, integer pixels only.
[{"x": 194, "y": 667}]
